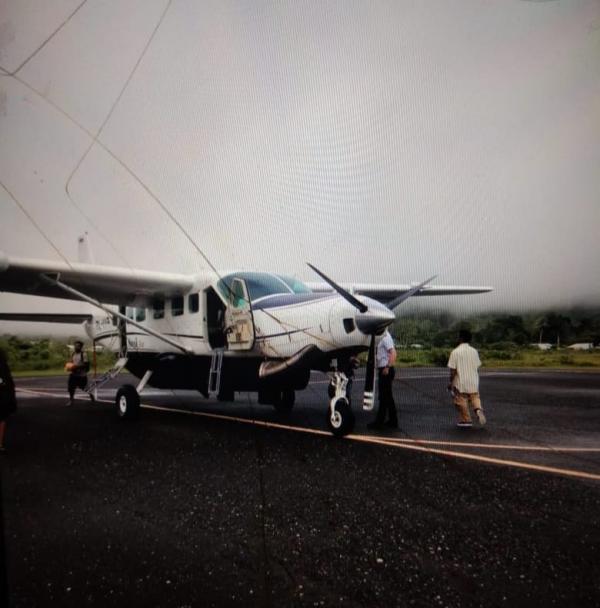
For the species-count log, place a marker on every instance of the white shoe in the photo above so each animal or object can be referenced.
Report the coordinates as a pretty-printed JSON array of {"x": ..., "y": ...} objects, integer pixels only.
[{"x": 481, "y": 417}]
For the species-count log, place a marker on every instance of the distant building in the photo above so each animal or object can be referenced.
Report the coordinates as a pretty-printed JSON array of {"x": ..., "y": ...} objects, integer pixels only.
[
  {"x": 581, "y": 346},
  {"x": 541, "y": 345}
]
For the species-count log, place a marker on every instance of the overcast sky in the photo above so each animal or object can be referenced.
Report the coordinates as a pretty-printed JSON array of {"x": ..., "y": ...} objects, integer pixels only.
[{"x": 382, "y": 141}]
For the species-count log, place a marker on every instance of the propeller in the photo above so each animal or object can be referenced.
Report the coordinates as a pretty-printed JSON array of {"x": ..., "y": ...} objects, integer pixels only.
[
  {"x": 411, "y": 292},
  {"x": 371, "y": 321},
  {"x": 343, "y": 292},
  {"x": 369, "y": 391}
]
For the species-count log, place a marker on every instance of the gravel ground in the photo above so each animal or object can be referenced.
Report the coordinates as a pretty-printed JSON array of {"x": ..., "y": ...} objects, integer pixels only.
[{"x": 180, "y": 510}]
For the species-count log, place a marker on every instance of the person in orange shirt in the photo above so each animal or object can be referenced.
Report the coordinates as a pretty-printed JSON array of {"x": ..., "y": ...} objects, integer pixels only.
[{"x": 78, "y": 366}]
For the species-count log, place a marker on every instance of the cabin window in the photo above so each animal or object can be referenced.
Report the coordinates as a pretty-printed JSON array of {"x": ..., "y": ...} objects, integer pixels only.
[
  {"x": 193, "y": 302},
  {"x": 130, "y": 312},
  {"x": 140, "y": 314},
  {"x": 349, "y": 325},
  {"x": 177, "y": 306},
  {"x": 159, "y": 309}
]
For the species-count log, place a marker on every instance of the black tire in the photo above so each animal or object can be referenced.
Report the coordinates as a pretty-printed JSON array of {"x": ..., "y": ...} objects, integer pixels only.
[
  {"x": 127, "y": 402},
  {"x": 344, "y": 418},
  {"x": 284, "y": 403}
]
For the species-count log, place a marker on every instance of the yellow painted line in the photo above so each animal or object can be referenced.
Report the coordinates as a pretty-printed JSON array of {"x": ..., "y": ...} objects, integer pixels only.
[
  {"x": 253, "y": 421},
  {"x": 43, "y": 393},
  {"x": 376, "y": 441},
  {"x": 381, "y": 441},
  {"x": 487, "y": 459},
  {"x": 495, "y": 446}
]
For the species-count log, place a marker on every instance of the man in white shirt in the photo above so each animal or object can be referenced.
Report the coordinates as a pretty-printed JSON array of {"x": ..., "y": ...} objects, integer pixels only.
[
  {"x": 464, "y": 380},
  {"x": 384, "y": 360}
]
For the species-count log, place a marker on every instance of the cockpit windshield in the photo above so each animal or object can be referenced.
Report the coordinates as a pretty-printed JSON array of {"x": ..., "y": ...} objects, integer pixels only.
[
  {"x": 262, "y": 284},
  {"x": 294, "y": 284}
]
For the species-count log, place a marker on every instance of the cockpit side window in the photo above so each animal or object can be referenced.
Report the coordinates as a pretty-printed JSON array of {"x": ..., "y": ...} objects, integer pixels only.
[{"x": 260, "y": 284}]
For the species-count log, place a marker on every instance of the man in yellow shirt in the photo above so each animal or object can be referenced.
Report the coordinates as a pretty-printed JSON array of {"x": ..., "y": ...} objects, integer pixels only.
[{"x": 464, "y": 380}]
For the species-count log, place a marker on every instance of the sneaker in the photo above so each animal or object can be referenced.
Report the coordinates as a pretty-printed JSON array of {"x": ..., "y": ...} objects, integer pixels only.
[
  {"x": 481, "y": 417},
  {"x": 464, "y": 424}
]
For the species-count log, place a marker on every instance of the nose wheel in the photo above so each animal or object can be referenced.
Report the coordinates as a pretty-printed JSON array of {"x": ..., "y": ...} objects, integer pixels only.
[{"x": 340, "y": 418}]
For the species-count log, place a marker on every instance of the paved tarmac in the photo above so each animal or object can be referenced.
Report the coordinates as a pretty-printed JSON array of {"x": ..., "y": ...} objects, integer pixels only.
[{"x": 188, "y": 508}]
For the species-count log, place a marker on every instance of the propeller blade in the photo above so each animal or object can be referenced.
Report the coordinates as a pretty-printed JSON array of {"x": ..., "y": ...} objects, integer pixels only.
[
  {"x": 369, "y": 394},
  {"x": 343, "y": 292},
  {"x": 397, "y": 301}
]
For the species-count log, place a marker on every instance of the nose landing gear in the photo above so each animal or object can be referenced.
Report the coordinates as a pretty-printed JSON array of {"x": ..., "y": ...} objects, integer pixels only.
[{"x": 340, "y": 418}]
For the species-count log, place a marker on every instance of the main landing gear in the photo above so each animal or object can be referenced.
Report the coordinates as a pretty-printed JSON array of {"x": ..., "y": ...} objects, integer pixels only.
[
  {"x": 127, "y": 400},
  {"x": 340, "y": 418},
  {"x": 282, "y": 400}
]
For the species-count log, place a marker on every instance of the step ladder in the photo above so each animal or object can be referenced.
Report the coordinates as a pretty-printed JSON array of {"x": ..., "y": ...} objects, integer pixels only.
[
  {"x": 214, "y": 376},
  {"x": 92, "y": 387}
]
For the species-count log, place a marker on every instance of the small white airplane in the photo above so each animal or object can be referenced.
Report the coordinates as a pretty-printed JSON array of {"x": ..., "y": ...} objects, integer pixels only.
[{"x": 221, "y": 333}]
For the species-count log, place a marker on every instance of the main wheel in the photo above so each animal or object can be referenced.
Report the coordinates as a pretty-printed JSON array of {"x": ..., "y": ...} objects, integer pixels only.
[
  {"x": 127, "y": 402},
  {"x": 342, "y": 421},
  {"x": 284, "y": 402}
]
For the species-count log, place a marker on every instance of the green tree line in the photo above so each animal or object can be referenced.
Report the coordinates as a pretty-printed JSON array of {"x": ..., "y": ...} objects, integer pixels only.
[
  {"x": 498, "y": 330},
  {"x": 40, "y": 355}
]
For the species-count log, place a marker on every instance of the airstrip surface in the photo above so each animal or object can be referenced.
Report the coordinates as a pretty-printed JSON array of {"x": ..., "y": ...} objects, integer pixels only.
[{"x": 201, "y": 503}]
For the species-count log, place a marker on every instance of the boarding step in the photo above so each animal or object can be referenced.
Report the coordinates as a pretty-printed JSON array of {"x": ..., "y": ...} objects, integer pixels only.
[
  {"x": 214, "y": 376},
  {"x": 92, "y": 387}
]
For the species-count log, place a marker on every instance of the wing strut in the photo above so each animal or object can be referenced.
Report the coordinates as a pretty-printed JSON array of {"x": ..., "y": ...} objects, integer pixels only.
[{"x": 114, "y": 313}]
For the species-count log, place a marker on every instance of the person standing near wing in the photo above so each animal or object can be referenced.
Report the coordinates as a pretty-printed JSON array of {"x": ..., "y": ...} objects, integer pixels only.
[
  {"x": 8, "y": 402},
  {"x": 385, "y": 359},
  {"x": 78, "y": 366},
  {"x": 464, "y": 380}
]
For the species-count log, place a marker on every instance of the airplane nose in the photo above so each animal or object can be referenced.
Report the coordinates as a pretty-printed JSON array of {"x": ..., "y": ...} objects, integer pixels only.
[{"x": 375, "y": 320}]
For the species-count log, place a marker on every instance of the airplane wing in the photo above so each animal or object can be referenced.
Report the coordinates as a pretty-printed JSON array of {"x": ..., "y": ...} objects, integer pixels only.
[
  {"x": 42, "y": 317},
  {"x": 109, "y": 285},
  {"x": 386, "y": 293}
]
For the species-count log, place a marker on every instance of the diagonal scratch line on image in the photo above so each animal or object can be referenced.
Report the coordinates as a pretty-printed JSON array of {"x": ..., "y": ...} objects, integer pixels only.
[{"x": 52, "y": 35}]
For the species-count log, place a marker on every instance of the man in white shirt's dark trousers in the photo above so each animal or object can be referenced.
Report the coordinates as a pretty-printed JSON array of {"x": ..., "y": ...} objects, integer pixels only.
[{"x": 384, "y": 360}]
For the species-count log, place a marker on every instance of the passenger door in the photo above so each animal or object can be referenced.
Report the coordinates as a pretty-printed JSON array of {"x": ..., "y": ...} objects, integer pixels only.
[{"x": 239, "y": 321}]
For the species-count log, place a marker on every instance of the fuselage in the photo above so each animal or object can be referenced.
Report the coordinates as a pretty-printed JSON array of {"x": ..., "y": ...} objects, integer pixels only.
[{"x": 277, "y": 318}]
